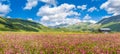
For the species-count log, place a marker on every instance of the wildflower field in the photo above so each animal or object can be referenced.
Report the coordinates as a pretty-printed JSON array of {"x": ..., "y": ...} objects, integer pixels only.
[{"x": 59, "y": 43}]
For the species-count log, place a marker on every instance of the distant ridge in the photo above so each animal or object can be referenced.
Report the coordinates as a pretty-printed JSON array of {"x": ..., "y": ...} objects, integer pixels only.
[{"x": 110, "y": 19}]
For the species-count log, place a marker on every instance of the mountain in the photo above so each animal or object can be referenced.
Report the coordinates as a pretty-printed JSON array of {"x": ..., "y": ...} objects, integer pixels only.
[
  {"x": 9, "y": 24},
  {"x": 110, "y": 19},
  {"x": 82, "y": 26},
  {"x": 59, "y": 26},
  {"x": 112, "y": 22},
  {"x": 115, "y": 26}
]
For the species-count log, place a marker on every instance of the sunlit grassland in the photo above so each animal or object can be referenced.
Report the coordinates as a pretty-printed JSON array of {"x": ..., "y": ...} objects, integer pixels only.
[{"x": 59, "y": 43}]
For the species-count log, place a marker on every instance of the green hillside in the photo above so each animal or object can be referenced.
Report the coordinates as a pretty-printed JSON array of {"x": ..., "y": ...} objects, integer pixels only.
[
  {"x": 8, "y": 24},
  {"x": 110, "y": 19},
  {"x": 112, "y": 22},
  {"x": 115, "y": 26},
  {"x": 79, "y": 27},
  {"x": 84, "y": 27}
]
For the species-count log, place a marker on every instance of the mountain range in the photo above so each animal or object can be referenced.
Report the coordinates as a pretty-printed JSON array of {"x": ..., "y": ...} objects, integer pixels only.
[
  {"x": 10, "y": 24},
  {"x": 112, "y": 22}
]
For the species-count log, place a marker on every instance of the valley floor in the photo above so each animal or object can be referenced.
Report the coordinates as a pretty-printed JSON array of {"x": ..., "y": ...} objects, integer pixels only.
[{"x": 59, "y": 43}]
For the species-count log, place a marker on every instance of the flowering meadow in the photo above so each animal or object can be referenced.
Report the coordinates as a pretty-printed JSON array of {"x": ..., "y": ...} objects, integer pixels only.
[{"x": 59, "y": 43}]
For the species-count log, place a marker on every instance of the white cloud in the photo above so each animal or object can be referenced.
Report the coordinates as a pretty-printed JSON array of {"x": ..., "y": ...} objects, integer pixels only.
[
  {"x": 106, "y": 16},
  {"x": 112, "y": 7},
  {"x": 32, "y": 3},
  {"x": 52, "y": 16},
  {"x": 92, "y": 9},
  {"x": 30, "y": 19},
  {"x": 4, "y": 9},
  {"x": 9, "y": 17},
  {"x": 54, "y": 22},
  {"x": 51, "y": 2},
  {"x": 87, "y": 17},
  {"x": 83, "y": 7},
  {"x": 92, "y": 21}
]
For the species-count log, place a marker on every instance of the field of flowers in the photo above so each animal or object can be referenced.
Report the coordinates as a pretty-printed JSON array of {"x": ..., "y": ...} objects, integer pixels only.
[{"x": 59, "y": 43}]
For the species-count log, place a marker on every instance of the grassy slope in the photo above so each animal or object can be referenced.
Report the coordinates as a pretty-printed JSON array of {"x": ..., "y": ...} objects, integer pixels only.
[
  {"x": 111, "y": 22},
  {"x": 110, "y": 19},
  {"x": 7, "y": 24},
  {"x": 115, "y": 26}
]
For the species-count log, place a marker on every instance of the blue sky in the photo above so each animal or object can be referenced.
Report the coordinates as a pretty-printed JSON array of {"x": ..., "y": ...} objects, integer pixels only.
[{"x": 56, "y": 12}]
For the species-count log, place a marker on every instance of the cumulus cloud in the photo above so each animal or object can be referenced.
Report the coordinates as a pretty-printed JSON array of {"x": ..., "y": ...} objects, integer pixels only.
[
  {"x": 112, "y": 7},
  {"x": 92, "y": 21},
  {"x": 32, "y": 3},
  {"x": 66, "y": 21},
  {"x": 106, "y": 16},
  {"x": 30, "y": 19},
  {"x": 9, "y": 17},
  {"x": 92, "y": 9},
  {"x": 87, "y": 17},
  {"x": 52, "y": 16},
  {"x": 51, "y": 2},
  {"x": 4, "y": 9},
  {"x": 83, "y": 7}
]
